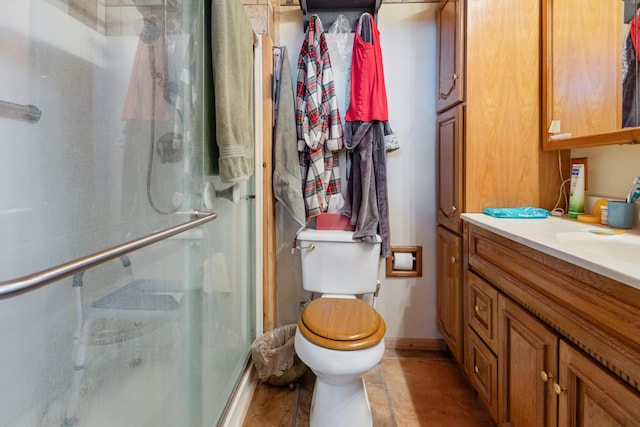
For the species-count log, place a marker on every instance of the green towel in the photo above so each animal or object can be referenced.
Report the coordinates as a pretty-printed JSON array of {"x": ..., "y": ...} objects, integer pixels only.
[{"x": 232, "y": 61}]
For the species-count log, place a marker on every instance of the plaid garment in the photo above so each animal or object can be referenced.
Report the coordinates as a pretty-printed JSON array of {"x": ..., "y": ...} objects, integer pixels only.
[{"x": 317, "y": 122}]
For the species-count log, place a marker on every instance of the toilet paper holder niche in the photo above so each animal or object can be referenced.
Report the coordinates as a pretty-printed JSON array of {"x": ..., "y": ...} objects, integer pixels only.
[{"x": 405, "y": 261}]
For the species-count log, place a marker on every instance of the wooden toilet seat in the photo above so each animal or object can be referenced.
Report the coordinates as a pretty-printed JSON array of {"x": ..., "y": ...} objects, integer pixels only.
[{"x": 341, "y": 324}]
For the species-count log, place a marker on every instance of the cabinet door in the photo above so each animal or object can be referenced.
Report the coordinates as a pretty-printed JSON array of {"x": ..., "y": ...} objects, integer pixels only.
[
  {"x": 449, "y": 169},
  {"x": 450, "y": 17},
  {"x": 449, "y": 288},
  {"x": 528, "y": 350},
  {"x": 591, "y": 396},
  {"x": 583, "y": 79}
]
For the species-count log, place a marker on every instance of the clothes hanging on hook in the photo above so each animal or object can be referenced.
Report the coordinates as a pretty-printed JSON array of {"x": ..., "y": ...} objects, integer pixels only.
[
  {"x": 368, "y": 91},
  {"x": 366, "y": 129},
  {"x": 318, "y": 125}
]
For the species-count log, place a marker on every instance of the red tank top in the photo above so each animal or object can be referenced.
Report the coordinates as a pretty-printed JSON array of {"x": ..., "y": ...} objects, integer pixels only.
[{"x": 368, "y": 98}]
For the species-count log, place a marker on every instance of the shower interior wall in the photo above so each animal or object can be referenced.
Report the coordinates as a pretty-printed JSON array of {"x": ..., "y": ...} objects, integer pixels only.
[{"x": 74, "y": 184}]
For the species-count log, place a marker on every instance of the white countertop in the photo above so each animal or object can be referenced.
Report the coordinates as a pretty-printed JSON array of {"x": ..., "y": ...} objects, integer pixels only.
[{"x": 616, "y": 256}]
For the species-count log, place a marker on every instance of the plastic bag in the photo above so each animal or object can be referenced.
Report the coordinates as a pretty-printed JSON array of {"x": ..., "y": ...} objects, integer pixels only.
[
  {"x": 340, "y": 43},
  {"x": 524, "y": 212},
  {"x": 273, "y": 352}
]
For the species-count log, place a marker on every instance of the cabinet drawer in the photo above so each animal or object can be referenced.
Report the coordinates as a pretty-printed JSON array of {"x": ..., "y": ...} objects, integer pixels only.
[
  {"x": 483, "y": 372},
  {"x": 482, "y": 309}
]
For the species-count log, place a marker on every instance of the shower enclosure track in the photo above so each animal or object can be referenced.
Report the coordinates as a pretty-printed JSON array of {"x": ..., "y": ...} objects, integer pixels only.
[{"x": 37, "y": 280}]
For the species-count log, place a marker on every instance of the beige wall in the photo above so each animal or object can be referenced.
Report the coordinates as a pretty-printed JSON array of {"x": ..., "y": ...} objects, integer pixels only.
[
  {"x": 408, "y": 38},
  {"x": 611, "y": 168}
]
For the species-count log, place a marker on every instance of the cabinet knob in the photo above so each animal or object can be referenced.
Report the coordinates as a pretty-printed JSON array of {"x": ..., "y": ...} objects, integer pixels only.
[
  {"x": 546, "y": 376},
  {"x": 476, "y": 369},
  {"x": 453, "y": 260},
  {"x": 453, "y": 209},
  {"x": 559, "y": 389},
  {"x": 478, "y": 309},
  {"x": 454, "y": 77}
]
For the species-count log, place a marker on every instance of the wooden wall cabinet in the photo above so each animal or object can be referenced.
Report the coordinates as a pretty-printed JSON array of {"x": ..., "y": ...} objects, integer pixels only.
[
  {"x": 561, "y": 359},
  {"x": 582, "y": 76},
  {"x": 488, "y": 142},
  {"x": 449, "y": 166},
  {"x": 449, "y": 290},
  {"x": 450, "y": 54}
]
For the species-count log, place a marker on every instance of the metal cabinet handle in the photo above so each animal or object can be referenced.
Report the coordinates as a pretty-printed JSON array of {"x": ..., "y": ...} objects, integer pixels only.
[{"x": 454, "y": 78}]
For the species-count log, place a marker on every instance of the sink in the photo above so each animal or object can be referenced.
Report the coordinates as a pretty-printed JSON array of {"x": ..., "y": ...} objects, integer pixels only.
[{"x": 603, "y": 243}]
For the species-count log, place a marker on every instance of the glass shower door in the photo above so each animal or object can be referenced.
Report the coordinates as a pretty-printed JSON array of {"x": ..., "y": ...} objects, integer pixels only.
[{"x": 102, "y": 140}]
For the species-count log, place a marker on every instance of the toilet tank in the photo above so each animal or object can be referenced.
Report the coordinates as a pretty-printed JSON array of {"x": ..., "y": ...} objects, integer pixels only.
[{"x": 337, "y": 264}]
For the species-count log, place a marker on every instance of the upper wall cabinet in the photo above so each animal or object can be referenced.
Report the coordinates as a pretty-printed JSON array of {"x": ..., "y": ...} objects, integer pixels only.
[
  {"x": 450, "y": 54},
  {"x": 591, "y": 83}
]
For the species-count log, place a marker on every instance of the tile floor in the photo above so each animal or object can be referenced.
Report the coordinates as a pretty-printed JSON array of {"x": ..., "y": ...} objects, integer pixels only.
[{"x": 409, "y": 388}]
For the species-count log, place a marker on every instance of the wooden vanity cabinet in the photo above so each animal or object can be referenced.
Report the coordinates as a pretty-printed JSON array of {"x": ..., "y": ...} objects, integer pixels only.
[
  {"x": 590, "y": 396},
  {"x": 481, "y": 339},
  {"x": 528, "y": 366},
  {"x": 568, "y": 350},
  {"x": 481, "y": 365}
]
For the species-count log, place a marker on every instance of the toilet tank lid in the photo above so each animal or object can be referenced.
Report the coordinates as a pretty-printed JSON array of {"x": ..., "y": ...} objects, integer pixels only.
[{"x": 310, "y": 234}]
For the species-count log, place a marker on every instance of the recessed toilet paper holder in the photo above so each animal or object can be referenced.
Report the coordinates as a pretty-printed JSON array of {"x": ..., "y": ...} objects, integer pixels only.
[{"x": 405, "y": 261}]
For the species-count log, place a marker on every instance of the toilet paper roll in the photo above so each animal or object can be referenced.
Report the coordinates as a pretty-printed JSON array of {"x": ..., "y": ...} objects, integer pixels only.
[{"x": 403, "y": 261}]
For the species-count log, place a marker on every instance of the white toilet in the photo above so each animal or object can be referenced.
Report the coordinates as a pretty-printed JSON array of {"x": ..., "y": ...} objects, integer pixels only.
[{"x": 339, "y": 336}]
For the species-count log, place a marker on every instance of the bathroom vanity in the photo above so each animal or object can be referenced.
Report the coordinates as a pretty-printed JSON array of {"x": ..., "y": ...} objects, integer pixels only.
[{"x": 551, "y": 315}]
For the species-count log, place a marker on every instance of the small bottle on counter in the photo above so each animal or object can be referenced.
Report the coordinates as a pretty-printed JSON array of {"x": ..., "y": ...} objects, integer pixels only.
[{"x": 604, "y": 215}]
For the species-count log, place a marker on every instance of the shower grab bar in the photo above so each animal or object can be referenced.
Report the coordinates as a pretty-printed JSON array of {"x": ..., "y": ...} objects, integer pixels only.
[
  {"x": 37, "y": 280},
  {"x": 28, "y": 113}
]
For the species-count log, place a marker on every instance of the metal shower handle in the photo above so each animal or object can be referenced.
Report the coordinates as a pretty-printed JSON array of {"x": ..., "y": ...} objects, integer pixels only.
[{"x": 27, "y": 113}]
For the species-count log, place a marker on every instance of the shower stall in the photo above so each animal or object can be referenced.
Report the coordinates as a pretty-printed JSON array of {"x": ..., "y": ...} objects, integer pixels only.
[{"x": 127, "y": 266}]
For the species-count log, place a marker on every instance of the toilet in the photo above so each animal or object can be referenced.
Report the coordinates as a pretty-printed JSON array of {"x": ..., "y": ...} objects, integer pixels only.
[{"x": 339, "y": 337}]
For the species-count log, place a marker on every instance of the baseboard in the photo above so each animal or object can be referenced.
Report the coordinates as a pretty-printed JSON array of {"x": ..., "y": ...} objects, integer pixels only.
[
  {"x": 241, "y": 399},
  {"x": 423, "y": 344}
]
